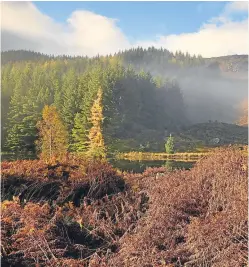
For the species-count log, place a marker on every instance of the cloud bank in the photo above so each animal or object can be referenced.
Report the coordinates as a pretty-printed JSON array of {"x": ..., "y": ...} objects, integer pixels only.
[{"x": 23, "y": 26}]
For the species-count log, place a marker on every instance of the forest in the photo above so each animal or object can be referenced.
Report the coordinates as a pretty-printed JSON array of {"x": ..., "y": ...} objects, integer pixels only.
[{"x": 145, "y": 97}]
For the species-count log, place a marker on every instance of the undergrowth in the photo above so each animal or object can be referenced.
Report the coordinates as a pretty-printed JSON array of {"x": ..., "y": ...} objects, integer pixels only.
[{"x": 84, "y": 213}]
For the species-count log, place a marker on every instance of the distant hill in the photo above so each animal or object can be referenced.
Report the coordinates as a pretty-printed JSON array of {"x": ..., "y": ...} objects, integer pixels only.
[
  {"x": 232, "y": 63},
  {"x": 231, "y": 67},
  {"x": 21, "y": 55},
  {"x": 211, "y": 134}
]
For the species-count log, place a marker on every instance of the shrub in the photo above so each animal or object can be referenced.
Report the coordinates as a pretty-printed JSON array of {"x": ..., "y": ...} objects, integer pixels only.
[{"x": 169, "y": 146}]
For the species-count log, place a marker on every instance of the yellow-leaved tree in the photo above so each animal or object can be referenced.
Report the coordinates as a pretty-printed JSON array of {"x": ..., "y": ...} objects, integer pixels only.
[
  {"x": 53, "y": 137},
  {"x": 96, "y": 140}
]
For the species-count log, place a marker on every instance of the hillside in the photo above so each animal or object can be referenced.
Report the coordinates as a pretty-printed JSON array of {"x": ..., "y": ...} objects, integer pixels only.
[
  {"x": 146, "y": 95},
  {"x": 21, "y": 55},
  {"x": 210, "y": 134},
  {"x": 234, "y": 63}
]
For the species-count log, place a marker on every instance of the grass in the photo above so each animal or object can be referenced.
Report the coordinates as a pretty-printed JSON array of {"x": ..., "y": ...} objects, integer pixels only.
[
  {"x": 178, "y": 156},
  {"x": 186, "y": 156}
]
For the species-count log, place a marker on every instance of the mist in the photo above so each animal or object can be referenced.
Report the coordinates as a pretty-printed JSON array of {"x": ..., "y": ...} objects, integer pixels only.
[
  {"x": 209, "y": 94},
  {"x": 212, "y": 97}
]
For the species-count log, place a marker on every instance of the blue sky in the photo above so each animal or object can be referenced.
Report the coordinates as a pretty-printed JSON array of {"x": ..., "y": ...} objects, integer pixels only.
[
  {"x": 142, "y": 19},
  {"x": 91, "y": 28}
]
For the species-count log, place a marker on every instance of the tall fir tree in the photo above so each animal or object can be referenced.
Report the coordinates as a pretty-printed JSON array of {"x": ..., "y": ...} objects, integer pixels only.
[
  {"x": 14, "y": 142},
  {"x": 31, "y": 115},
  {"x": 69, "y": 91},
  {"x": 80, "y": 133}
]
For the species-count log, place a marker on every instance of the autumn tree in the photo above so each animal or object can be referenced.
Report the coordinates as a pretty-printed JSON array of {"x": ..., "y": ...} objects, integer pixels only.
[
  {"x": 53, "y": 137},
  {"x": 96, "y": 140}
]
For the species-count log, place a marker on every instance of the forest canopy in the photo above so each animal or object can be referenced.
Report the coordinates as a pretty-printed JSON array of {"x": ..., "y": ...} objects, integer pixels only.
[{"x": 138, "y": 103}]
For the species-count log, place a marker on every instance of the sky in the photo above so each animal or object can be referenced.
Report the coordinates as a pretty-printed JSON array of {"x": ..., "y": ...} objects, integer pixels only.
[{"x": 91, "y": 28}]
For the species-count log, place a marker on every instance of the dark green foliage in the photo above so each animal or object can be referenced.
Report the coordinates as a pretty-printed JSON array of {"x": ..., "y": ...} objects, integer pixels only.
[
  {"x": 136, "y": 105},
  {"x": 79, "y": 133},
  {"x": 21, "y": 55},
  {"x": 69, "y": 93}
]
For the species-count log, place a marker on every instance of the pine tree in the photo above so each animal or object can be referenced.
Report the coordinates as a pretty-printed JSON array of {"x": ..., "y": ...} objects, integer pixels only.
[
  {"x": 30, "y": 117},
  {"x": 88, "y": 85},
  {"x": 14, "y": 142},
  {"x": 53, "y": 137},
  {"x": 80, "y": 133},
  {"x": 69, "y": 89},
  {"x": 169, "y": 146},
  {"x": 7, "y": 86},
  {"x": 96, "y": 140}
]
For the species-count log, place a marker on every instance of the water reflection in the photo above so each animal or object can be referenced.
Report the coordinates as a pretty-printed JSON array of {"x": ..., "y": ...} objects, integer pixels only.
[
  {"x": 124, "y": 165},
  {"x": 139, "y": 166}
]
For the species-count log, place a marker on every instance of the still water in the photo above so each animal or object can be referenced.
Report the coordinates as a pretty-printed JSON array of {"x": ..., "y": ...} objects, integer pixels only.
[
  {"x": 135, "y": 166},
  {"x": 139, "y": 166}
]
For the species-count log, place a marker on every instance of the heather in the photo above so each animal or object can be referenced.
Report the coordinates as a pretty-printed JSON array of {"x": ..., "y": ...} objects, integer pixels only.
[{"x": 85, "y": 213}]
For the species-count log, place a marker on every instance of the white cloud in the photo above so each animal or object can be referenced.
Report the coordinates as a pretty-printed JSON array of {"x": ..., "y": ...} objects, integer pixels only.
[
  {"x": 211, "y": 40},
  {"x": 238, "y": 6},
  {"x": 219, "y": 37},
  {"x": 95, "y": 33},
  {"x": 86, "y": 33}
]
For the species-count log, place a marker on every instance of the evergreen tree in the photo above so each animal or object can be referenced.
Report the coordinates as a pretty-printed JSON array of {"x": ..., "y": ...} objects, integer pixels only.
[
  {"x": 30, "y": 118},
  {"x": 69, "y": 89},
  {"x": 53, "y": 137},
  {"x": 80, "y": 133},
  {"x": 96, "y": 140},
  {"x": 14, "y": 142},
  {"x": 169, "y": 146},
  {"x": 131, "y": 102}
]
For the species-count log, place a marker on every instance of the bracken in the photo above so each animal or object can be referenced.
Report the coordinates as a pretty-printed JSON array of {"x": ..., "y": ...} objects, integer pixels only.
[{"x": 84, "y": 213}]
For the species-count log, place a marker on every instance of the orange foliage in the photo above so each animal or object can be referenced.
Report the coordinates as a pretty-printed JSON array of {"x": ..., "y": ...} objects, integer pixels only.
[
  {"x": 53, "y": 137},
  {"x": 196, "y": 217},
  {"x": 81, "y": 213}
]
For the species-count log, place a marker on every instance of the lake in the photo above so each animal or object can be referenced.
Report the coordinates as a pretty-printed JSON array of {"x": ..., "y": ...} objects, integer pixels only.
[
  {"x": 136, "y": 166},
  {"x": 139, "y": 166}
]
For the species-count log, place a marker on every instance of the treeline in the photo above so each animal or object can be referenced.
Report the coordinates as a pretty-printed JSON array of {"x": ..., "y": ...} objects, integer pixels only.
[
  {"x": 136, "y": 56},
  {"x": 135, "y": 105}
]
